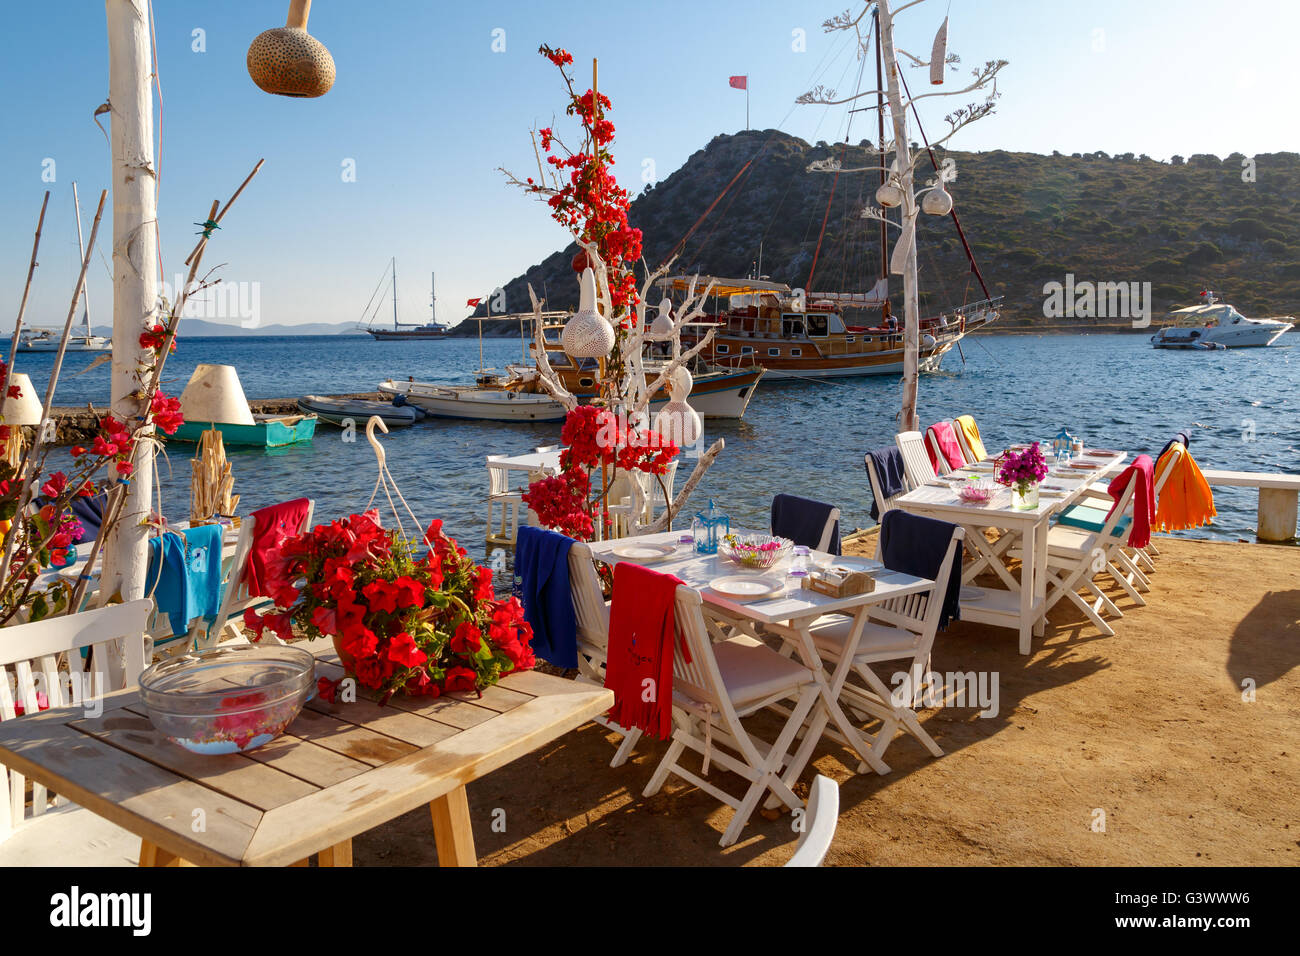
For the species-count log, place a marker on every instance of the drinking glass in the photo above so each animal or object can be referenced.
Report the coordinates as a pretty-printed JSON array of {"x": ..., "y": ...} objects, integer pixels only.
[{"x": 799, "y": 561}]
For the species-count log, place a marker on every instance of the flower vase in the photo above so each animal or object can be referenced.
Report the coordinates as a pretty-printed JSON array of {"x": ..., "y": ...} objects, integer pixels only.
[{"x": 1024, "y": 498}]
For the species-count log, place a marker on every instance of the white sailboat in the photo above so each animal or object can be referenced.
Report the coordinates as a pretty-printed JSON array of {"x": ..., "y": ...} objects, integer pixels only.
[{"x": 47, "y": 340}]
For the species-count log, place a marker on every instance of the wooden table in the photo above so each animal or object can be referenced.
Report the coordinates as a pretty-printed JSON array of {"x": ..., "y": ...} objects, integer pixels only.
[
  {"x": 1021, "y": 605},
  {"x": 789, "y": 617},
  {"x": 341, "y": 769}
]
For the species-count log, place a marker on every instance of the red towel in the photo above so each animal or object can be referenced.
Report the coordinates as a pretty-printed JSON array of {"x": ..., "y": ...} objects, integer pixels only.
[
  {"x": 271, "y": 526},
  {"x": 639, "y": 666},
  {"x": 1144, "y": 499},
  {"x": 946, "y": 439}
]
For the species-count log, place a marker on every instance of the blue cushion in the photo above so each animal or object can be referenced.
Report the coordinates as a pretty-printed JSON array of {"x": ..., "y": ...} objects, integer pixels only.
[{"x": 1091, "y": 519}]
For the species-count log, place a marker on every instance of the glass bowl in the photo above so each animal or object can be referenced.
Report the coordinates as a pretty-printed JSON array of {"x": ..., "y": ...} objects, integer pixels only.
[
  {"x": 977, "y": 492},
  {"x": 756, "y": 551},
  {"x": 229, "y": 699}
]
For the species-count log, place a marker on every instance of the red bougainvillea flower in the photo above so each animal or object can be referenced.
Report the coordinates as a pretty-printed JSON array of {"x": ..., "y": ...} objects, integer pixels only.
[
  {"x": 166, "y": 412},
  {"x": 154, "y": 339},
  {"x": 55, "y": 485}
]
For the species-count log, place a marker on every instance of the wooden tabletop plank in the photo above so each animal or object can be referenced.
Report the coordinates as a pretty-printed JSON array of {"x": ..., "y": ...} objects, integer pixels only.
[
  {"x": 538, "y": 684},
  {"x": 500, "y": 699},
  {"x": 235, "y": 775},
  {"x": 153, "y": 803},
  {"x": 390, "y": 721},
  {"x": 308, "y": 825},
  {"x": 307, "y": 761},
  {"x": 455, "y": 711},
  {"x": 347, "y": 738}
]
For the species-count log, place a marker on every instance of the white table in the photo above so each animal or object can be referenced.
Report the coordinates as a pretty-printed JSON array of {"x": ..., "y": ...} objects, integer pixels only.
[
  {"x": 788, "y": 616},
  {"x": 546, "y": 463},
  {"x": 1021, "y": 604}
]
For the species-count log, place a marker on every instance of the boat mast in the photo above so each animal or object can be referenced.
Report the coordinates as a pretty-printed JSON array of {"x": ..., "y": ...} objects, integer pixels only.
[
  {"x": 81, "y": 251},
  {"x": 394, "y": 293},
  {"x": 433, "y": 294}
]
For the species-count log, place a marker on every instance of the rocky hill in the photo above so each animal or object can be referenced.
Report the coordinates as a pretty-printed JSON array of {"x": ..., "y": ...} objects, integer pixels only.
[{"x": 1183, "y": 225}]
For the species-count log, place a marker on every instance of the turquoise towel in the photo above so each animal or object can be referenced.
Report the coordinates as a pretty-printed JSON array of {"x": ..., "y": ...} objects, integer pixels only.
[
  {"x": 184, "y": 575},
  {"x": 203, "y": 570}
]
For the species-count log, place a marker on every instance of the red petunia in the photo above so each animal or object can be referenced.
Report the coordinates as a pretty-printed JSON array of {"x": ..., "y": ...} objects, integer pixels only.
[
  {"x": 467, "y": 639},
  {"x": 403, "y": 650},
  {"x": 459, "y": 679}
]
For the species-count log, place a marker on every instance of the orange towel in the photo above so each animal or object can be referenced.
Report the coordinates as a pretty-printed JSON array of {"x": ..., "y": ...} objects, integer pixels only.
[
  {"x": 1186, "y": 500},
  {"x": 971, "y": 433}
]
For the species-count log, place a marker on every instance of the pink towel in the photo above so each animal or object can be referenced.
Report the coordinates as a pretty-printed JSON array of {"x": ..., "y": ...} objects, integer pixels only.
[
  {"x": 271, "y": 526},
  {"x": 1144, "y": 499},
  {"x": 946, "y": 439}
]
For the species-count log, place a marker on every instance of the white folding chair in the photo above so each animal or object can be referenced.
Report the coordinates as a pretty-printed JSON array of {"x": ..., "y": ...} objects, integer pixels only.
[
  {"x": 900, "y": 630},
  {"x": 883, "y": 503},
  {"x": 235, "y": 597},
  {"x": 967, "y": 452},
  {"x": 1075, "y": 556},
  {"x": 819, "y": 821},
  {"x": 916, "y": 463},
  {"x": 932, "y": 443},
  {"x": 827, "y": 533},
  {"x": 592, "y": 612},
  {"x": 30, "y": 662},
  {"x": 510, "y": 502},
  {"x": 713, "y": 691}
]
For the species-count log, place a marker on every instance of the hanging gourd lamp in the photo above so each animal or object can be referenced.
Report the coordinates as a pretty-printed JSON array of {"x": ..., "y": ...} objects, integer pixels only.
[
  {"x": 662, "y": 326},
  {"x": 677, "y": 421},
  {"x": 939, "y": 54},
  {"x": 937, "y": 202},
  {"x": 587, "y": 334},
  {"x": 889, "y": 195},
  {"x": 289, "y": 61}
]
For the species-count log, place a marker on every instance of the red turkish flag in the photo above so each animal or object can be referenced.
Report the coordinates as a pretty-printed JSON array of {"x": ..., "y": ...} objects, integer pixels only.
[
  {"x": 473, "y": 303},
  {"x": 740, "y": 82}
]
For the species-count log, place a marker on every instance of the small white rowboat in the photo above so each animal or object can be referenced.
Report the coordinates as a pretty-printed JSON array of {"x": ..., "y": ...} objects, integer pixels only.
[{"x": 340, "y": 411}]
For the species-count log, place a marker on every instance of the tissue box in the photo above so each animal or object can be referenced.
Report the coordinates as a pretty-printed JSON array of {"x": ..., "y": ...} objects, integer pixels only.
[{"x": 840, "y": 584}]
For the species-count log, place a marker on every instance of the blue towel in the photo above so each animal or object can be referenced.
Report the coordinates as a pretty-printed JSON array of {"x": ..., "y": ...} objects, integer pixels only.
[
  {"x": 184, "y": 575},
  {"x": 542, "y": 569},
  {"x": 803, "y": 520},
  {"x": 916, "y": 545},
  {"x": 203, "y": 584},
  {"x": 888, "y": 462},
  {"x": 165, "y": 580}
]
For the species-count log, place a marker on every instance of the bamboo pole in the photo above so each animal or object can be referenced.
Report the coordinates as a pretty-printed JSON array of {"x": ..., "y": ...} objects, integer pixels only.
[
  {"x": 22, "y": 306},
  {"x": 135, "y": 277}
]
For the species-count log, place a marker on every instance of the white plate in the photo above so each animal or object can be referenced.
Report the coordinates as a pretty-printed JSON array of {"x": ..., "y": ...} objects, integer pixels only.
[
  {"x": 979, "y": 466},
  {"x": 747, "y": 587},
  {"x": 645, "y": 553}
]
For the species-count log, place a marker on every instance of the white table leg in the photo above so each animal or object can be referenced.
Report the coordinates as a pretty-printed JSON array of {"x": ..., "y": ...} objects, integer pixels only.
[
  {"x": 1040, "y": 579},
  {"x": 1028, "y": 553}
]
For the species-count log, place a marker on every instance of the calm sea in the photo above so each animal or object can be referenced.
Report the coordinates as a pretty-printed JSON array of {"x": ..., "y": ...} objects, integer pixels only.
[{"x": 802, "y": 437}]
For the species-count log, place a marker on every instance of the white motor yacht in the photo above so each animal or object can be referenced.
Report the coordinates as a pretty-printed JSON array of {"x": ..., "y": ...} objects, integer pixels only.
[{"x": 1217, "y": 325}]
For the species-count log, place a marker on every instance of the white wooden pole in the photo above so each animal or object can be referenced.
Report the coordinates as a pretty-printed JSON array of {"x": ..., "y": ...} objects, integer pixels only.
[
  {"x": 911, "y": 307},
  {"x": 135, "y": 273}
]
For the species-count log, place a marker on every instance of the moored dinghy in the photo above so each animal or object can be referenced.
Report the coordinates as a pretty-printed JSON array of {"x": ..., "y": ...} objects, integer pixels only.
[
  {"x": 215, "y": 399},
  {"x": 340, "y": 411}
]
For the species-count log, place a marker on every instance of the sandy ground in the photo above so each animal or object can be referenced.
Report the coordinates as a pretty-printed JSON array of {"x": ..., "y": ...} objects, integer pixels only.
[{"x": 1136, "y": 749}]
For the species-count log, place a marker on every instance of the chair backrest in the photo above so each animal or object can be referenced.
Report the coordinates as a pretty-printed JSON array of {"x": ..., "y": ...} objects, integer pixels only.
[
  {"x": 589, "y": 605},
  {"x": 1108, "y": 530},
  {"x": 498, "y": 476},
  {"x": 883, "y": 504},
  {"x": 819, "y": 821},
  {"x": 920, "y": 612},
  {"x": 234, "y": 588},
  {"x": 916, "y": 463},
  {"x": 29, "y": 664},
  {"x": 790, "y": 526},
  {"x": 970, "y": 454},
  {"x": 936, "y": 453}
]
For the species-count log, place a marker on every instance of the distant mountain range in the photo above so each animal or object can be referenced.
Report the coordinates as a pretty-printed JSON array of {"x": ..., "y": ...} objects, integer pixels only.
[
  {"x": 1231, "y": 225},
  {"x": 202, "y": 327}
]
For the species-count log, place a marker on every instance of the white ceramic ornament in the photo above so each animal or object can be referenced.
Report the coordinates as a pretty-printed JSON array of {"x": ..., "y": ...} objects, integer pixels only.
[
  {"x": 677, "y": 421},
  {"x": 937, "y": 202},
  {"x": 662, "y": 326},
  {"x": 587, "y": 334},
  {"x": 889, "y": 196}
]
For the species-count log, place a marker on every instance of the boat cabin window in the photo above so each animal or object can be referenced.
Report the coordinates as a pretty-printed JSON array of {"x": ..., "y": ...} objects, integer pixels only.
[
  {"x": 722, "y": 349},
  {"x": 746, "y": 350},
  {"x": 559, "y": 359},
  {"x": 796, "y": 352},
  {"x": 792, "y": 325},
  {"x": 817, "y": 325},
  {"x": 586, "y": 382},
  {"x": 851, "y": 338},
  {"x": 773, "y": 351}
]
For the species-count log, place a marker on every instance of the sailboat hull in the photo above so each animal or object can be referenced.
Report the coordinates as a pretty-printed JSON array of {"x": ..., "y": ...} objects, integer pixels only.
[{"x": 95, "y": 343}]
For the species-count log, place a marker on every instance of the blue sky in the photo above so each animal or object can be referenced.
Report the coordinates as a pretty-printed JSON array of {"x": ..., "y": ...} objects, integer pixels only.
[{"x": 428, "y": 112}]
